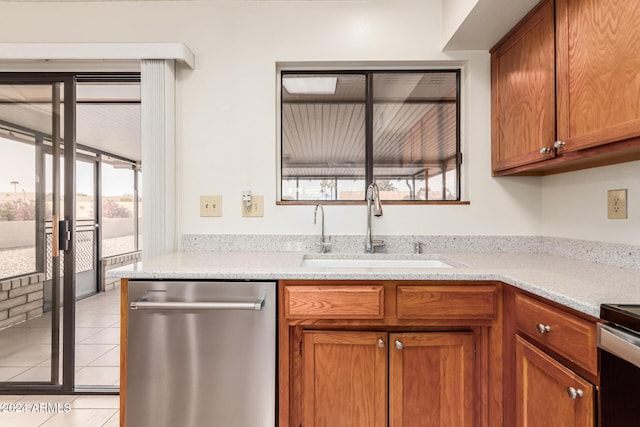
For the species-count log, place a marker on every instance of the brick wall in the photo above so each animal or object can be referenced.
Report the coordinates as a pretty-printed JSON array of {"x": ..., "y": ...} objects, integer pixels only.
[
  {"x": 21, "y": 299},
  {"x": 115, "y": 262}
]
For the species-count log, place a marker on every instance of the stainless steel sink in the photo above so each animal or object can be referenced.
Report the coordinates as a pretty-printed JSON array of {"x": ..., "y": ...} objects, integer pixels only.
[{"x": 374, "y": 263}]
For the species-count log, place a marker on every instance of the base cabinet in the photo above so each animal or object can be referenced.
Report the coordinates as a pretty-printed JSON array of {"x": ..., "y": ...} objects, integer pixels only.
[
  {"x": 549, "y": 394},
  {"x": 399, "y": 359},
  {"x": 551, "y": 367},
  {"x": 431, "y": 379},
  {"x": 344, "y": 379}
]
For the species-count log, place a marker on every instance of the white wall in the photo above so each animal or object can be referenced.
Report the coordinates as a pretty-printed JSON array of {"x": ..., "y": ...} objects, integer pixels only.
[
  {"x": 575, "y": 204},
  {"x": 227, "y": 108}
]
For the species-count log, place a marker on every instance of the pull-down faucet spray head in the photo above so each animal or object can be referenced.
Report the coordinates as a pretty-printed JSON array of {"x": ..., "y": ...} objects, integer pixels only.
[
  {"x": 373, "y": 195},
  {"x": 373, "y": 207}
]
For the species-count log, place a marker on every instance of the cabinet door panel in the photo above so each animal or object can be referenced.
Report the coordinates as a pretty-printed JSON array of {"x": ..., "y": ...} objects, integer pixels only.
[
  {"x": 334, "y": 302},
  {"x": 598, "y": 58},
  {"x": 446, "y": 302},
  {"x": 344, "y": 379},
  {"x": 431, "y": 379},
  {"x": 568, "y": 335},
  {"x": 542, "y": 397},
  {"x": 523, "y": 93}
]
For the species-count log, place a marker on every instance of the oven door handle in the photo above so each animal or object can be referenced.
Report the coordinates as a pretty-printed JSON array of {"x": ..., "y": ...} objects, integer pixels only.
[{"x": 619, "y": 343}]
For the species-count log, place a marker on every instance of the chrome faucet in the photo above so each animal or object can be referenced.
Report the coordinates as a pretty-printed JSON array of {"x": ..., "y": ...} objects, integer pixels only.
[
  {"x": 326, "y": 242},
  {"x": 373, "y": 198}
]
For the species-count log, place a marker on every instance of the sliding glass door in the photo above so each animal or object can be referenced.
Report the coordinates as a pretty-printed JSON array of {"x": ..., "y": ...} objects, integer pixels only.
[
  {"x": 69, "y": 209},
  {"x": 37, "y": 232}
]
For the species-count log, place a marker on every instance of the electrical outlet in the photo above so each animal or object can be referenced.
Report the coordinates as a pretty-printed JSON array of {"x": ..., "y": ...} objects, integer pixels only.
[
  {"x": 210, "y": 205},
  {"x": 256, "y": 209},
  {"x": 617, "y": 204}
]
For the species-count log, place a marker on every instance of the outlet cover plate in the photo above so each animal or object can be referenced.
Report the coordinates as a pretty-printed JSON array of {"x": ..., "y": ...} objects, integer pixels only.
[
  {"x": 256, "y": 209},
  {"x": 210, "y": 206},
  {"x": 617, "y": 204}
]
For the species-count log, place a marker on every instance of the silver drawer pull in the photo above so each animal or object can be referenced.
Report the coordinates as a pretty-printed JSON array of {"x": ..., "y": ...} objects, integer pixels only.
[
  {"x": 559, "y": 144},
  {"x": 543, "y": 329},
  {"x": 574, "y": 393},
  {"x": 380, "y": 343},
  {"x": 399, "y": 345},
  {"x": 222, "y": 305}
]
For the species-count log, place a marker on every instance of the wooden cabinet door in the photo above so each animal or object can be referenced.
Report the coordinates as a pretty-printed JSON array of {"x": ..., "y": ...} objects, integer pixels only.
[
  {"x": 344, "y": 379},
  {"x": 544, "y": 391},
  {"x": 431, "y": 380},
  {"x": 598, "y": 77},
  {"x": 523, "y": 92}
]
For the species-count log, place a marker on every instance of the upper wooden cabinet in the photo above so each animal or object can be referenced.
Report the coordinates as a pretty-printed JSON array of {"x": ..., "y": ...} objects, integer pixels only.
[
  {"x": 566, "y": 88},
  {"x": 523, "y": 93},
  {"x": 598, "y": 68}
]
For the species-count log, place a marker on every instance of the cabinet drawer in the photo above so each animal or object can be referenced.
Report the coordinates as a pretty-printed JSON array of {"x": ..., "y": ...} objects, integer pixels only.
[
  {"x": 568, "y": 335},
  {"x": 446, "y": 302},
  {"x": 334, "y": 302}
]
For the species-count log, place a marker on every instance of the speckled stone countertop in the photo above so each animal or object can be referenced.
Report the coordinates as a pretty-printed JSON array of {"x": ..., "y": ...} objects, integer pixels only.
[{"x": 581, "y": 285}]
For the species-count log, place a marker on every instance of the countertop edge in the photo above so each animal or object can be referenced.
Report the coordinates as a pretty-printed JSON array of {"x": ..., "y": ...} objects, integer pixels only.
[{"x": 550, "y": 282}]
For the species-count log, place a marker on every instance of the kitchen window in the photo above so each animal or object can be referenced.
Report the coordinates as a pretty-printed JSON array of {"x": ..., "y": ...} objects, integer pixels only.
[{"x": 341, "y": 130}]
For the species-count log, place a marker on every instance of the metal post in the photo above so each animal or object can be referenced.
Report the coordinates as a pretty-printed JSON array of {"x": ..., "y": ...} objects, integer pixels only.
[{"x": 69, "y": 284}]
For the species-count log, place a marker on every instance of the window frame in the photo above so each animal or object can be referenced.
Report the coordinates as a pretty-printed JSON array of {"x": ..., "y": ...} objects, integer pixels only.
[{"x": 368, "y": 72}]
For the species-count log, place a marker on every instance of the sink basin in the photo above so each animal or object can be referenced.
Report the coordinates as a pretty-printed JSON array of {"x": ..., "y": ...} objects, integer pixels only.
[{"x": 375, "y": 263}]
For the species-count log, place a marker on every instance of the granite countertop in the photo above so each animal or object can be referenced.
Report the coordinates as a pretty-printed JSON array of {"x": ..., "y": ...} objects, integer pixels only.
[{"x": 581, "y": 285}]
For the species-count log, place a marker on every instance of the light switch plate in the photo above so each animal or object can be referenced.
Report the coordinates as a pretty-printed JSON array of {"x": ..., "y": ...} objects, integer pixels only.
[
  {"x": 617, "y": 204},
  {"x": 210, "y": 206},
  {"x": 256, "y": 209}
]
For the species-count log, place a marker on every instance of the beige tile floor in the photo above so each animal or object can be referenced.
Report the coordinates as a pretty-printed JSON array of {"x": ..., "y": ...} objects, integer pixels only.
[
  {"x": 25, "y": 355},
  {"x": 25, "y": 349}
]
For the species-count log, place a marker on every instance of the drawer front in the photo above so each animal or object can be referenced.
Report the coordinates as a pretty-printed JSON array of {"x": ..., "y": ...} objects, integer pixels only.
[
  {"x": 568, "y": 335},
  {"x": 334, "y": 302},
  {"x": 446, "y": 302}
]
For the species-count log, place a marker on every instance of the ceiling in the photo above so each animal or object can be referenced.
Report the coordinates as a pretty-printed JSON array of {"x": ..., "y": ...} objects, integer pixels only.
[
  {"x": 107, "y": 115},
  {"x": 484, "y": 24},
  {"x": 415, "y": 127}
]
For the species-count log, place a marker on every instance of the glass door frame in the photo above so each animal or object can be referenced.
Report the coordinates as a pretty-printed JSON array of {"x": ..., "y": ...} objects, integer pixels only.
[{"x": 57, "y": 384}]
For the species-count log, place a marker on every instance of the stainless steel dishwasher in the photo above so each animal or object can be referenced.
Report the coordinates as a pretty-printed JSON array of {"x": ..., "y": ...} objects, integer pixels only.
[{"x": 201, "y": 354}]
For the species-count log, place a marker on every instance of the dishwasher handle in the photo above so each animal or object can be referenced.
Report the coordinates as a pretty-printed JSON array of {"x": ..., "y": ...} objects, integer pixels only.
[{"x": 213, "y": 305}]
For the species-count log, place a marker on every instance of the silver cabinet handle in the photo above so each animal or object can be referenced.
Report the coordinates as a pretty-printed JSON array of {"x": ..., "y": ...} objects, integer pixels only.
[
  {"x": 543, "y": 329},
  {"x": 399, "y": 345},
  {"x": 574, "y": 393},
  {"x": 559, "y": 144},
  {"x": 380, "y": 343},
  {"x": 545, "y": 150},
  {"x": 223, "y": 305}
]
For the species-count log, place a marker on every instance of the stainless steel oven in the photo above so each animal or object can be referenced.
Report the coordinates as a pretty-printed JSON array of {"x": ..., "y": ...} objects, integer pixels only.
[{"x": 619, "y": 351}]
